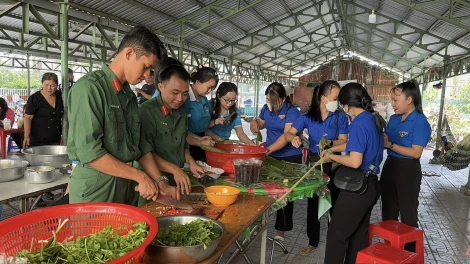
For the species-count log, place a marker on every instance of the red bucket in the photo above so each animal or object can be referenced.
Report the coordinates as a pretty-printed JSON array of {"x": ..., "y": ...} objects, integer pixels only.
[
  {"x": 225, "y": 160},
  {"x": 17, "y": 232}
]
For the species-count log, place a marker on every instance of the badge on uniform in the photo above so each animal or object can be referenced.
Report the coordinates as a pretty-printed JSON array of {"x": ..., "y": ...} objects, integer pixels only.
[
  {"x": 403, "y": 133},
  {"x": 164, "y": 110},
  {"x": 189, "y": 115},
  {"x": 282, "y": 117},
  {"x": 116, "y": 85}
]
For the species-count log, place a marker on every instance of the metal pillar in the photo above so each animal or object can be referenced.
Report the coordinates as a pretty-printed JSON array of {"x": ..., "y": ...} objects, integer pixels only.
[
  {"x": 64, "y": 56},
  {"x": 256, "y": 92},
  {"x": 91, "y": 66},
  {"x": 29, "y": 74},
  {"x": 445, "y": 69},
  {"x": 180, "y": 51}
]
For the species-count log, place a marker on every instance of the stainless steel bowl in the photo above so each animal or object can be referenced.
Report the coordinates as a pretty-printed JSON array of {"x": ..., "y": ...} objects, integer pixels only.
[
  {"x": 191, "y": 254},
  {"x": 11, "y": 170},
  {"x": 39, "y": 174},
  {"x": 54, "y": 156}
]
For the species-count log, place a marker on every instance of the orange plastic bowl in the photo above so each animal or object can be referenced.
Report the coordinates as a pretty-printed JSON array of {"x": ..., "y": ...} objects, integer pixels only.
[{"x": 220, "y": 198}]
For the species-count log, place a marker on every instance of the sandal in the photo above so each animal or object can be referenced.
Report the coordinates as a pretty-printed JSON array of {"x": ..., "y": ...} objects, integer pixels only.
[{"x": 307, "y": 250}]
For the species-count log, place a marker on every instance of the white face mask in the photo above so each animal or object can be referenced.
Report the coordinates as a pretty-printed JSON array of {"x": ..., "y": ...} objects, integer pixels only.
[{"x": 332, "y": 106}]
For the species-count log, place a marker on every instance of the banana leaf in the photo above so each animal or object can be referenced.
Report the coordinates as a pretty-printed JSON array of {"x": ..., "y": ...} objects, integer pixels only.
[
  {"x": 323, "y": 141},
  {"x": 210, "y": 148},
  {"x": 259, "y": 138}
]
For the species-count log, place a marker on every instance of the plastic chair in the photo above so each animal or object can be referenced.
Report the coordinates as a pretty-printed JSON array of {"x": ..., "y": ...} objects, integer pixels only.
[
  {"x": 397, "y": 235},
  {"x": 380, "y": 253}
]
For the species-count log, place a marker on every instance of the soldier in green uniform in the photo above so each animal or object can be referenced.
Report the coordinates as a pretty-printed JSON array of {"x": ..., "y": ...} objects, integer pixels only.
[
  {"x": 165, "y": 126},
  {"x": 105, "y": 129}
]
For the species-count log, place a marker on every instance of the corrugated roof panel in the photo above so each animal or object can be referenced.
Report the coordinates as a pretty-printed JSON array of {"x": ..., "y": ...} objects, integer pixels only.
[
  {"x": 271, "y": 10},
  {"x": 446, "y": 30},
  {"x": 436, "y": 47},
  {"x": 260, "y": 49},
  {"x": 314, "y": 25},
  {"x": 174, "y": 8},
  {"x": 276, "y": 41},
  {"x": 460, "y": 10},
  {"x": 203, "y": 40},
  {"x": 453, "y": 50},
  {"x": 225, "y": 31},
  {"x": 438, "y": 8},
  {"x": 390, "y": 8},
  {"x": 246, "y": 20},
  {"x": 413, "y": 37},
  {"x": 296, "y": 4},
  {"x": 419, "y": 20},
  {"x": 464, "y": 41},
  {"x": 244, "y": 56}
]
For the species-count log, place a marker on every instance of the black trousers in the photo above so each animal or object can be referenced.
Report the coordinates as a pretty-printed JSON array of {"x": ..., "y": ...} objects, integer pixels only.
[
  {"x": 400, "y": 184},
  {"x": 284, "y": 216},
  {"x": 197, "y": 152},
  {"x": 18, "y": 138},
  {"x": 348, "y": 232}
]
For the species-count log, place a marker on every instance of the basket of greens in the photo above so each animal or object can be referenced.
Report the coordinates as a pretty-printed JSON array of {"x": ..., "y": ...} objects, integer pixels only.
[
  {"x": 185, "y": 239},
  {"x": 79, "y": 233}
]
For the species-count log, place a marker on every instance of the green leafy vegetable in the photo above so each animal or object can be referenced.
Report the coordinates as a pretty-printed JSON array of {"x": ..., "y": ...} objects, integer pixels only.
[
  {"x": 100, "y": 247},
  {"x": 210, "y": 148},
  {"x": 323, "y": 142},
  {"x": 197, "y": 232},
  {"x": 259, "y": 138}
]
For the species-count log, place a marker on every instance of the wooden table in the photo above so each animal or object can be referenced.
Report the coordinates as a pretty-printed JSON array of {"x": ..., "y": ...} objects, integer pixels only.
[
  {"x": 236, "y": 219},
  {"x": 3, "y": 137}
]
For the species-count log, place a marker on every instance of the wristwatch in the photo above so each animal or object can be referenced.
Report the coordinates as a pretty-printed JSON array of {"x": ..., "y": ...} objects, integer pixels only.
[
  {"x": 161, "y": 178},
  {"x": 391, "y": 146}
]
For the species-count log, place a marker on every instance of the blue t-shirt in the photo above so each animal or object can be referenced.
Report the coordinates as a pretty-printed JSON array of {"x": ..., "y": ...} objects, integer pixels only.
[
  {"x": 335, "y": 124},
  {"x": 198, "y": 112},
  {"x": 414, "y": 130},
  {"x": 224, "y": 131},
  {"x": 364, "y": 138},
  {"x": 156, "y": 93},
  {"x": 275, "y": 124}
]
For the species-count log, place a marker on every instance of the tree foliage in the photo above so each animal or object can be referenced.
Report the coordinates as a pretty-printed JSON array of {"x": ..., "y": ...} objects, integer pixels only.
[
  {"x": 10, "y": 78},
  {"x": 464, "y": 98}
]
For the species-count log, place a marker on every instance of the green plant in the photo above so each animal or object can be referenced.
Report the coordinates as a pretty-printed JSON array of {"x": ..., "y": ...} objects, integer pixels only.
[{"x": 18, "y": 80}]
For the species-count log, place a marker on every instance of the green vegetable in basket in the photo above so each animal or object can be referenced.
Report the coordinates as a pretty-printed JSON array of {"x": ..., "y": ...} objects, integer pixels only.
[
  {"x": 100, "y": 247},
  {"x": 197, "y": 232}
]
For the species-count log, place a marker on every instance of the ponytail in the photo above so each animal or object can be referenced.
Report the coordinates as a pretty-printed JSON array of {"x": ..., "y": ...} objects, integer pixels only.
[{"x": 354, "y": 94}]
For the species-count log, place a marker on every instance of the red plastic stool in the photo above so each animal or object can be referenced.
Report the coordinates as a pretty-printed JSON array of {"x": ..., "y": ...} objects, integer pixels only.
[
  {"x": 380, "y": 253},
  {"x": 397, "y": 235}
]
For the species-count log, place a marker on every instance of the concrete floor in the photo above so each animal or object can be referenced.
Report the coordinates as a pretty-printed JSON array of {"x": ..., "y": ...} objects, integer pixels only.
[{"x": 443, "y": 213}]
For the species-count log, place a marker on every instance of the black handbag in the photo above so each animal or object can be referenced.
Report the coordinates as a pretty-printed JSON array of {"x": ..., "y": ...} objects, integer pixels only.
[{"x": 354, "y": 180}]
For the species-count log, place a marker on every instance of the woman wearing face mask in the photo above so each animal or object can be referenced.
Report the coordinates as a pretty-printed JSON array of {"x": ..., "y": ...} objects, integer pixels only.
[
  {"x": 406, "y": 135},
  {"x": 43, "y": 114},
  {"x": 277, "y": 117},
  {"x": 226, "y": 116},
  {"x": 320, "y": 119},
  {"x": 198, "y": 107},
  {"x": 348, "y": 230}
]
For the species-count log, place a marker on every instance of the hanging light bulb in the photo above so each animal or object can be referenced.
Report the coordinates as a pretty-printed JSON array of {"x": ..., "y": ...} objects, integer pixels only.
[{"x": 372, "y": 17}]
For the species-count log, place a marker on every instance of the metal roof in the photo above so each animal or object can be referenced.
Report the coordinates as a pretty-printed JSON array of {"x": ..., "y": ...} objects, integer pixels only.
[{"x": 286, "y": 37}]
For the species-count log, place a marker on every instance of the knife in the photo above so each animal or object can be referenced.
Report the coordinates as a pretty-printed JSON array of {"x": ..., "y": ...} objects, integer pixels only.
[{"x": 168, "y": 200}]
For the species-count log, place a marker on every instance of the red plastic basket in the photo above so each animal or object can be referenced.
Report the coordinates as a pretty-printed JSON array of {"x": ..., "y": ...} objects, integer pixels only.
[
  {"x": 225, "y": 160},
  {"x": 17, "y": 233}
]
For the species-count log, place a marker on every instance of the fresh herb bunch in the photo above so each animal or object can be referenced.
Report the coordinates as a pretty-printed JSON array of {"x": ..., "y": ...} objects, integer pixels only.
[
  {"x": 197, "y": 232},
  {"x": 100, "y": 247}
]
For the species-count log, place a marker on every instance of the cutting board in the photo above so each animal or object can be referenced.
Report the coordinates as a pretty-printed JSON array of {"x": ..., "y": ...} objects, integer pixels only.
[{"x": 196, "y": 200}]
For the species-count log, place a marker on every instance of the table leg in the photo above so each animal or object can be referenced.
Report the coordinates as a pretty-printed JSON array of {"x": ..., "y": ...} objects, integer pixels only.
[
  {"x": 264, "y": 237},
  {"x": 4, "y": 143},
  {"x": 24, "y": 205}
]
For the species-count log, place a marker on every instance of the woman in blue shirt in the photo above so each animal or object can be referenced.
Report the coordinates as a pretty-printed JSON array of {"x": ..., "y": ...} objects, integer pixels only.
[
  {"x": 277, "y": 116},
  {"x": 198, "y": 107},
  {"x": 348, "y": 230},
  {"x": 225, "y": 116},
  {"x": 322, "y": 118},
  {"x": 406, "y": 135}
]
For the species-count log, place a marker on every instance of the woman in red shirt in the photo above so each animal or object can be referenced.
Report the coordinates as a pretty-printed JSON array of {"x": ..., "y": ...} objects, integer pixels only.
[{"x": 7, "y": 113}]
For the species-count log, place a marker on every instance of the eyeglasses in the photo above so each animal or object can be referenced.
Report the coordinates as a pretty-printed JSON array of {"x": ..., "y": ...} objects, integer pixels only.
[{"x": 229, "y": 101}]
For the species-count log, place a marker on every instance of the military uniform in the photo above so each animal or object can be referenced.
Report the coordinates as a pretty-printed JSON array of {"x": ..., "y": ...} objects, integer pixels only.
[
  {"x": 103, "y": 118},
  {"x": 165, "y": 132}
]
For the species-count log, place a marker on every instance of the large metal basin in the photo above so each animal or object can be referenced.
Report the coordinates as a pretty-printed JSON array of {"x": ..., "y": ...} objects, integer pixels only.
[
  {"x": 11, "y": 170},
  {"x": 190, "y": 254},
  {"x": 54, "y": 156}
]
